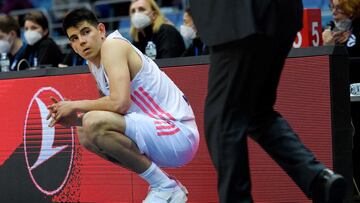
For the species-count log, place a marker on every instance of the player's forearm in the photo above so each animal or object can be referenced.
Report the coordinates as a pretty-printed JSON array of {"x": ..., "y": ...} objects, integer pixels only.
[{"x": 102, "y": 104}]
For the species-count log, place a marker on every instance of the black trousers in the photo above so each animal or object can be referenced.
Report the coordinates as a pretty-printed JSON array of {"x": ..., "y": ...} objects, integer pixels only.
[
  {"x": 243, "y": 80},
  {"x": 355, "y": 115}
]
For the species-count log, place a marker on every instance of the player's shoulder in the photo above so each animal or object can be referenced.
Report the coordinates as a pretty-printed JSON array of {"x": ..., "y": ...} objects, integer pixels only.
[
  {"x": 116, "y": 46},
  {"x": 115, "y": 43}
]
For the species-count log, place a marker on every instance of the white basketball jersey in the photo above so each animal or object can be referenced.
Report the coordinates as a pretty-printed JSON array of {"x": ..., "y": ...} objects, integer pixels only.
[{"x": 153, "y": 93}]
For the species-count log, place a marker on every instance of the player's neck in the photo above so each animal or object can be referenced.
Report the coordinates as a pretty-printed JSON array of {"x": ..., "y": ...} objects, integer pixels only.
[{"x": 96, "y": 60}]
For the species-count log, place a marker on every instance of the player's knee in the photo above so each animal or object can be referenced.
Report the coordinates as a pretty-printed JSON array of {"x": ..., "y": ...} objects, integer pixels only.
[
  {"x": 93, "y": 126},
  {"x": 83, "y": 139},
  {"x": 92, "y": 122}
]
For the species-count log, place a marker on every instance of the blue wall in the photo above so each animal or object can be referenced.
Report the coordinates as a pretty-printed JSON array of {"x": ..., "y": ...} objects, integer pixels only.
[{"x": 316, "y": 3}]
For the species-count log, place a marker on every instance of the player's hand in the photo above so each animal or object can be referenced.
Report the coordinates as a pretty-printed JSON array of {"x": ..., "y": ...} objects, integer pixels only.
[
  {"x": 62, "y": 112},
  {"x": 51, "y": 108}
]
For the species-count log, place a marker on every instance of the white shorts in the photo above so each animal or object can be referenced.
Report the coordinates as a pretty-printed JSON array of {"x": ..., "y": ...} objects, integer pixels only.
[{"x": 166, "y": 143}]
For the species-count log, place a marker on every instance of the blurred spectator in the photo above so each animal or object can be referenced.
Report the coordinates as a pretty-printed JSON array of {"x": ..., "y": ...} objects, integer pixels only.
[
  {"x": 72, "y": 59},
  {"x": 339, "y": 29},
  {"x": 41, "y": 49},
  {"x": 149, "y": 24},
  {"x": 10, "y": 5},
  {"x": 188, "y": 31},
  {"x": 352, "y": 9},
  {"x": 10, "y": 40},
  {"x": 345, "y": 30}
]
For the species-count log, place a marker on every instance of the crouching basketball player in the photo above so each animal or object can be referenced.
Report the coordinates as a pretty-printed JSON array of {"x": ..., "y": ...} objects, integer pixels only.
[{"x": 143, "y": 122}]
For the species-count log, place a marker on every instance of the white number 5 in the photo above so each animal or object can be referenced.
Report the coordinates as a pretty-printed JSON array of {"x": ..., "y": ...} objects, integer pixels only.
[{"x": 315, "y": 33}]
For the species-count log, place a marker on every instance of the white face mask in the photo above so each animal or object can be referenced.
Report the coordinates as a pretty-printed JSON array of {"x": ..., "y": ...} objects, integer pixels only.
[
  {"x": 32, "y": 37},
  {"x": 5, "y": 45},
  {"x": 343, "y": 25},
  {"x": 140, "y": 20},
  {"x": 187, "y": 32}
]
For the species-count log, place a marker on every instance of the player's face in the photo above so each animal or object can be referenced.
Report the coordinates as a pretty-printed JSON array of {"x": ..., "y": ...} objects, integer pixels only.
[{"x": 86, "y": 40}]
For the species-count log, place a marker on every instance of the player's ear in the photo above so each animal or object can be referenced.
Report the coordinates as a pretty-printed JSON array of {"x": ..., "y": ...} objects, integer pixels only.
[{"x": 102, "y": 29}]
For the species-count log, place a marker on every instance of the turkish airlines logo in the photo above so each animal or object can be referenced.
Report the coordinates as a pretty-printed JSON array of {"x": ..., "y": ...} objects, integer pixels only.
[
  {"x": 351, "y": 41},
  {"x": 48, "y": 150}
]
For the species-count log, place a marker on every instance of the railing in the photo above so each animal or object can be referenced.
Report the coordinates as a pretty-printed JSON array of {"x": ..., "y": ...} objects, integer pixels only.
[{"x": 113, "y": 13}]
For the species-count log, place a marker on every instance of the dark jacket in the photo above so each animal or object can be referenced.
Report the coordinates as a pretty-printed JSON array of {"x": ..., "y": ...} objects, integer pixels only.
[
  {"x": 46, "y": 51},
  {"x": 73, "y": 59},
  {"x": 169, "y": 43},
  {"x": 353, "y": 43},
  {"x": 15, "y": 59},
  {"x": 230, "y": 20},
  {"x": 353, "y": 48},
  {"x": 196, "y": 48}
]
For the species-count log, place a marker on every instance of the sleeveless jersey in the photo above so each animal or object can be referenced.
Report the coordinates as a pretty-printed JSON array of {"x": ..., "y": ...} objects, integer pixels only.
[{"x": 153, "y": 93}]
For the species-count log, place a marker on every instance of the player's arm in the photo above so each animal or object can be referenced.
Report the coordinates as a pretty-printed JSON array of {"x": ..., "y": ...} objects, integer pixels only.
[{"x": 114, "y": 58}]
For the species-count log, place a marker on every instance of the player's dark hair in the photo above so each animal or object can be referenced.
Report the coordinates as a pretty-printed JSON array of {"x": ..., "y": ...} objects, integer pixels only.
[{"x": 77, "y": 16}]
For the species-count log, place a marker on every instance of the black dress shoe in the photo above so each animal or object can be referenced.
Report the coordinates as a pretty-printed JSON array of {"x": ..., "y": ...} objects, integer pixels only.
[{"x": 329, "y": 187}]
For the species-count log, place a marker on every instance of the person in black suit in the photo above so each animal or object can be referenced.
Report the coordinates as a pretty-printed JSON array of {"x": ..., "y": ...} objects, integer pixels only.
[{"x": 249, "y": 41}]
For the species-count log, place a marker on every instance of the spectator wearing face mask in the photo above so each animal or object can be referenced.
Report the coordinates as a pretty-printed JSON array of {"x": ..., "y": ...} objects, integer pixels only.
[
  {"x": 339, "y": 29},
  {"x": 41, "y": 51},
  {"x": 10, "y": 41},
  {"x": 148, "y": 24},
  {"x": 345, "y": 30},
  {"x": 195, "y": 47},
  {"x": 352, "y": 9}
]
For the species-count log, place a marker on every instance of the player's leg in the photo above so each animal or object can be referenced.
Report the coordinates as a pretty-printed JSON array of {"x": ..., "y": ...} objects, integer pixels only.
[
  {"x": 104, "y": 134},
  {"x": 84, "y": 141},
  {"x": 166, "y": 143}
]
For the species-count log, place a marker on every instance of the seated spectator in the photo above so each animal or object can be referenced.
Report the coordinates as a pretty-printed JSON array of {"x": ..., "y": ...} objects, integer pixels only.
[
  {"x": 41, "y": 51},
  {"x": 72, "y": 59},
  {"x": 351, "y": 8},
  {"x": 339, "y": 29},
  {"x": 188, "y": 31},
  {"x": 149, "y": 24},
  {"x": 10, "y": 41},
  {"x": 345, "y": 30}
]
